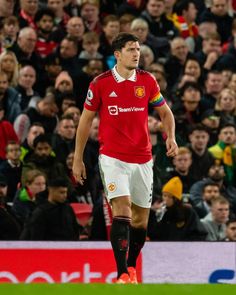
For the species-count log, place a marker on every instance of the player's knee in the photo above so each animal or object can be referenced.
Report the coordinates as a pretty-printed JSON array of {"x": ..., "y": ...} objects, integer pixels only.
[{"x": 121, "y": 206}]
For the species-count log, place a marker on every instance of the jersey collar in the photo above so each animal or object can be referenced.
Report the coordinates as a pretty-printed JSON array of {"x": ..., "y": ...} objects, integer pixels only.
[{"x": 120, "y": 79}]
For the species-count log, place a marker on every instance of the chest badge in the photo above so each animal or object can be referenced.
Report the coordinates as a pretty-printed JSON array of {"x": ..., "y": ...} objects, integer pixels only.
[{"x": 139, "y": 91}]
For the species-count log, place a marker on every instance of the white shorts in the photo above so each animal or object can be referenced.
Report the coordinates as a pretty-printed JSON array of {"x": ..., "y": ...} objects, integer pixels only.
[{"x": 127, "y": 179}]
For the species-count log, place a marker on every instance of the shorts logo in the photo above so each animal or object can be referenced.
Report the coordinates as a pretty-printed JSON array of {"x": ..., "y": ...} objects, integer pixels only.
[
  {"x": 111, "y": 187},
  {"x": 113, "y": 110},
  {"x": 139, "y": 91}
]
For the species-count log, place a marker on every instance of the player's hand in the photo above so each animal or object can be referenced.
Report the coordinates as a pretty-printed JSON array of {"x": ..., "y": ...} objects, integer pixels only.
[
  {"x": 172, "y": 147},
  {"x": 79, "y": 171}
]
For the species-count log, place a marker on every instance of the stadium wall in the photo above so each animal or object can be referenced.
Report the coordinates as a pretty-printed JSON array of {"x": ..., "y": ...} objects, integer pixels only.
[{"x": 89, "y": 262}]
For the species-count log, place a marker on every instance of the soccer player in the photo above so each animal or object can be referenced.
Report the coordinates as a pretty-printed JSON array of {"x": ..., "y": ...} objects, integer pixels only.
[{"x": 121, "y": 97}]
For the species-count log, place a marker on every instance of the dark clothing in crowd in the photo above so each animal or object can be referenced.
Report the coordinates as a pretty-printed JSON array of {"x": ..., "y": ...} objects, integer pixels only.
[
  {"x": 200, "y": 164},
  {"x": 62, "y": 147},
  {"x": 224, "y": 23},
  {"x": 13, "y": 176},
  {"x": 48, "y": 165},
  {"x": 55, "y": 222},
  {"x": 9, "y": 226},
  {"x": 179, "y": 223}
]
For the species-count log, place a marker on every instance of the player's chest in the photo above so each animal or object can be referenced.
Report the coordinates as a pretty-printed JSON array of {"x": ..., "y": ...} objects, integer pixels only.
[{"x": 125, "y": 94}]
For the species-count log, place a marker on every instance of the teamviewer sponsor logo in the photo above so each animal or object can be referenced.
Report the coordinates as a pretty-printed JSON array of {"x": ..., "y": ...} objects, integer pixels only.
[{"x": 113, "y": 110}]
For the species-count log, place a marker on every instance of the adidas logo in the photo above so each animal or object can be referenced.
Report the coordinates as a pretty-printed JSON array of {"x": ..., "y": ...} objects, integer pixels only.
[{"x": 113, "y": 94}]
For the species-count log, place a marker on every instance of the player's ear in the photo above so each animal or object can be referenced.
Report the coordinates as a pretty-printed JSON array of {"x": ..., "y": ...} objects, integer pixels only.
[{"x": 117, "y": 54}]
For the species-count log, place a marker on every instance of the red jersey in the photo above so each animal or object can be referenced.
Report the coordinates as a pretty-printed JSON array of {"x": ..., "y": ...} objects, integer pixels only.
[{"x": 122, "y": 105}]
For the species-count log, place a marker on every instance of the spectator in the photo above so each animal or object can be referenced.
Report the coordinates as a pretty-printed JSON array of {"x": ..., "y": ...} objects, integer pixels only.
[
  {"x": 213, "y": 88},
  {"x": 12, "y": 169},
  {"x": 90, "y": 46},
  {"x": 146, "y": 56},
  {"x": 186, "y": 13},
  {"x": 224, "y": 151},
  {"x": 24, "y": 50},
  {"x": 9, "y": 99},
  {"x": 10, "y": 228},
  {"x": 53, "y": 68},
  {"x": 89, "y": 11},
  {"x": 211, "y": 121},
  {"x": 218, "y": 12},
  {"x": 9, "y": 31},
  {"x": 226, "y": 106},
  {"x": 158, "y": 23},
  {"x": 46, "y": 42},
  {"x": 27, "y": 145},
  {"x": 26, "y": 82},
  {"x": 7, "y": 133},
  {"x": 158, "y": 72},
  {"x": 93, "y": 68},
  {"x": 73, "y": 112},
  {"x": 9, "y": 65},
  {"x": 54, "y": 220},
  {"x": 202, "y": 159},
  {"x": 230, "y": 230},
  {"x": 45, "y": 113},
  {"x": 227, "y": 74},
  {"x": 61, "y": 17},
  {"x": 64, "y": 83},
  {"x": 179, "y": 221},
  {"x": 232, "y": 82},
  {"x": 125, "y": 22},
  {"x": 175, "y": 62},
  {"x": 75, "y": 29},
  {"x": 25, "y": 46},
  {"x": 110, "y": 29},
  {"x": 68, "y": 56},
  {"x": 211, "y": 53},
  {"x": 205, "y": 28},
  {"x": 216, "y": 174},
  {"x": 210, "y": 191},
  {"x": 67, "y": 100},
  {"x": 28, "y": 9},
  {"x": 187, "y": 111},
  {"x": 182, "y": 163},
  {"x": 215, "y": 222},
  {"x": 134, "y": 7},
  {"x": 25, "y": 198},
  {"x": 193, "y": 68},
  {"x": 41, "y": 159},
  {"x": 7, "y": 8},
  {"x": 159, "y": 45},
  {"x": 63, "y": 141}
]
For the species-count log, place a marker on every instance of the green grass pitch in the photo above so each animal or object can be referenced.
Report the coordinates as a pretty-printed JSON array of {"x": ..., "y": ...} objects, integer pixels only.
[{"x": 112, "y": 289}]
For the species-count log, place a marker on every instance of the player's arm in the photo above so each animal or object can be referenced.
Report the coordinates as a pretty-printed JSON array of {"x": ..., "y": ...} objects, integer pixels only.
[
  {"x": 82, "y": 135},
  {"x": 168, "y": 122}
]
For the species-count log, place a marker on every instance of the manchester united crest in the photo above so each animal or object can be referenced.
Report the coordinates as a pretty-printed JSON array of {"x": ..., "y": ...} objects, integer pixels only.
[
  {"x": 139, "y": 91},
  {"x": 111, "y": 187}
]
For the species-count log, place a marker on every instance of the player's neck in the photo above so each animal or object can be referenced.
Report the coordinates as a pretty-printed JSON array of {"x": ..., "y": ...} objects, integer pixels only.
[{"x": 124, "y": 72}]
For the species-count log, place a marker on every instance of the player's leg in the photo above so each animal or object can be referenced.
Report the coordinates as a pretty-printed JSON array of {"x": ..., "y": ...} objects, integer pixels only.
[
  {"x": 115, "y": 176},
  {"x": 121, "y": 211},
  {"x": 141, "y": 196},
  {"x": 138, "y": 231}
]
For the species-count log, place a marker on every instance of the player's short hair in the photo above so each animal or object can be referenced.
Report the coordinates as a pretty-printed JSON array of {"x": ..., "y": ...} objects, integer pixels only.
[{"x": 121, "y": 39}]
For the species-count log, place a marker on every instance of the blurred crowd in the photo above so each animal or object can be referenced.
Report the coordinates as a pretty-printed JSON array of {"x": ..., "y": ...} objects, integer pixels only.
[{"x": 50, "y": 50}]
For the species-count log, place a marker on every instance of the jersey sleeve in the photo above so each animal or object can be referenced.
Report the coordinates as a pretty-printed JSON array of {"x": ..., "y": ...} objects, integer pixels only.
[
  {"x": 156, "y": 99},
  {"x": 93, "y": 99}
]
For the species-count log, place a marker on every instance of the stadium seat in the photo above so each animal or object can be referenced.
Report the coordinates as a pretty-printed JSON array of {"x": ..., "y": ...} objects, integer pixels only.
[{"x": 83, "y": 212}]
